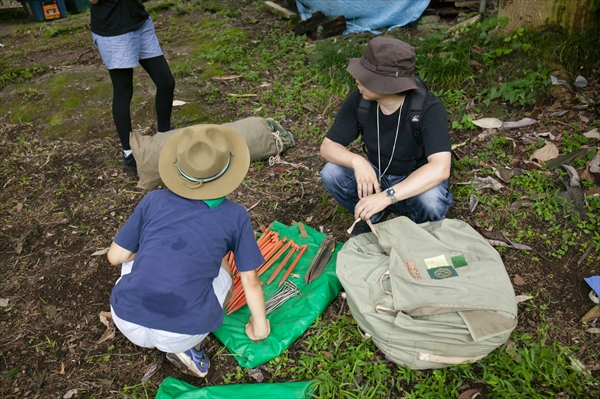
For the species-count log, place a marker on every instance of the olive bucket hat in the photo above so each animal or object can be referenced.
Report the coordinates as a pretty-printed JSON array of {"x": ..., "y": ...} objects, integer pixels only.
[
  {"x": 387, "y": 66},
  {"x": 204, "y": 162}
]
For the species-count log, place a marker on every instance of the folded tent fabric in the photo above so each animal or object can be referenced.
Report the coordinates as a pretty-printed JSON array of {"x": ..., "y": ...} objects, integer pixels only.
[
  {"x": 172, "y": 388},
  {"x": 292, "y": 318},
  {"x": 264, "y": 137}
]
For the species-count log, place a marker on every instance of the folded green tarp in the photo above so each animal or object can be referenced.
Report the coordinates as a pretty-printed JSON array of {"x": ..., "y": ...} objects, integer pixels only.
[
  {"x": 292, "y": 319},
  {"x": 172, "y": 388}
]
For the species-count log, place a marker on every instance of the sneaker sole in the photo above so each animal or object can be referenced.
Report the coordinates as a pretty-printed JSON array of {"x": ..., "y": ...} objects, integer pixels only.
[{"x": 185, "y": 365}]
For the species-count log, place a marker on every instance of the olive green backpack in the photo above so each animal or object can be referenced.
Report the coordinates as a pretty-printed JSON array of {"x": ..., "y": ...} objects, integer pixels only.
[{"x": 428, "y": 295}]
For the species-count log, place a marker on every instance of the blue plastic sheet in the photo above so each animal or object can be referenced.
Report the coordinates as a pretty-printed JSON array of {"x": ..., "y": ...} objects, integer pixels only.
[
  {"x": 366, "y": 15},
  {"x": 594, "y": 282}
]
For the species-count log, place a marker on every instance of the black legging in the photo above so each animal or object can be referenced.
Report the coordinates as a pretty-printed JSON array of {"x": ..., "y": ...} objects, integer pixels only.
[{"x": 122, "y": 81}]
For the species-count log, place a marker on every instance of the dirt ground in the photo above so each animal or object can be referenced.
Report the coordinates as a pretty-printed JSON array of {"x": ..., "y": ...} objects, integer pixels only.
[{"x": 64, "y": 196}]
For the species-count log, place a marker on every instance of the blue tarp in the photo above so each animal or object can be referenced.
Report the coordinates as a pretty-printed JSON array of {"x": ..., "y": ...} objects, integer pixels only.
[
  {"x": 594, "y": 282},
  {"x": 366, "y": 15}
]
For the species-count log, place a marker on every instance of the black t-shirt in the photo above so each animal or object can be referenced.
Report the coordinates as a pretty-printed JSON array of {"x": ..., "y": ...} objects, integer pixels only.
[
  {"x": 434, "y": 129},
  {"x": 116, "y": 17}
]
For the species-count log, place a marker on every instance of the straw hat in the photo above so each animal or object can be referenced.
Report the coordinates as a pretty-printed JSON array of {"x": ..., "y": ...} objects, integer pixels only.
[
  {"x": 387, "y": 66},
  {"x": 204, "y": 162}
]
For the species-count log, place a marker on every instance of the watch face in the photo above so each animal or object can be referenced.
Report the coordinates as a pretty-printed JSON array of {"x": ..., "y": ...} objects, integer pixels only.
[{"x": 391, "y": 193}]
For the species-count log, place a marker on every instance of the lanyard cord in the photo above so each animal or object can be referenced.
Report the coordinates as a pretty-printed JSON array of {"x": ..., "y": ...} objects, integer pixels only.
[{"x": 393, "y": 148}]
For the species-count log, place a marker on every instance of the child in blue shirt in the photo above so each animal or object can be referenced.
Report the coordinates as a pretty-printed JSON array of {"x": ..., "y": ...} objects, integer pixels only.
[{"x": 175, "y": 280}]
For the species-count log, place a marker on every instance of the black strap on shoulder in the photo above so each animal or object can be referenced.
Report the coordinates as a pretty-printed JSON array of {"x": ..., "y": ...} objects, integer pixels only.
[
  {"x": 361, "y": 116},
  {"x": 418, "y": 98}
]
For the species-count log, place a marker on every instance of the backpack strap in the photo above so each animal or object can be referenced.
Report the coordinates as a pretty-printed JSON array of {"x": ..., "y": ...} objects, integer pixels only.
[
  {"x": 418, "y": 98},
  {"x": 416, "y": 106},
  {"x": 361, "y": 117}
]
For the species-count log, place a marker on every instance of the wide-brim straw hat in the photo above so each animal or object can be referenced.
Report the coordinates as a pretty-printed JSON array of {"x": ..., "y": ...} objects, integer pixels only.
[
  {"x": 204, "y": 162},
  {"x": 387, "y": 66}
]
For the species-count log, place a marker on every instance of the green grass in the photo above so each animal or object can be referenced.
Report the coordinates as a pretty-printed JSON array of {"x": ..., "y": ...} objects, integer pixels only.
[{"x": 346, "y": 366}]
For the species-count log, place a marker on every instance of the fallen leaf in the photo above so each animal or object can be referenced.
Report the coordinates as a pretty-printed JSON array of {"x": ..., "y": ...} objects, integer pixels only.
[
  {"x": 546, "y": 153},
  {"x": 575, "y": 200},
  {"x": 520, "y": 204},
  {"x": 476, "y": 64},
  {"x": 546, "y": 134},
  {"x": 593, "y": 330},
  {"x": 473, "y": 201},
  {"x": 592, "y": 134},
  {"x": 593, "y": 192},
  {"x": 580, "y": 81},
  {"x": 471, "y": 393},
  {"x": 518, "y": 280},
  {"x": 557, "y": 81},
  {"x": 153, "y": 369},
  {"x": 309, "y": 107},
  {"x": 511, "y": 350},
  {"x": 586, "y": 174},
  {"x": 4, "y": 302},
  {"x": 52, "y": 311},
  {"x": 523, "y": 298},
  {"x": 256, "y": 374},
  {"x": 226, "y": 77},
  {"x": 566, "y": 158},
  {"x": 101, "y": 252},
  {"x": 309, "y": 219},
  {"x": 595, "y": 164},
  {"x": 558, "y": 113},
  {"x": 522, "y": 123},
  {"x": 481, "y": 183},
  {"x": 70, "y": 393},
  {"x": 505, "y": 174},
  {"x": 108, "y": 334},
  {"x": 178, "y": 103},
  {"x": 18, "y": 207},
  {"x": 106, "y": 319},
  {"x": 241, "y": 95},
  {"x": 574, "y": 181},
  {"x": 592, "y": 314},
  {"x": 488, "y": 123}
]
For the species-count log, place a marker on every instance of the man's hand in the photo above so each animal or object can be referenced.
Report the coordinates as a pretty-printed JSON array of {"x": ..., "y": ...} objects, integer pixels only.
[
  {"x": 366, "y": 179},
  {"x": 257, "y": 332},
  {"x": 369, "y": 206}
]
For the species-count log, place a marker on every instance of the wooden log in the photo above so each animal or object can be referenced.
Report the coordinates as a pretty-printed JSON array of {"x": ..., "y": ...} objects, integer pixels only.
[
  {"x": 281, "y": 11},
  {"x": 311, "y": 24},
  {"x": 333, "y": 27}
]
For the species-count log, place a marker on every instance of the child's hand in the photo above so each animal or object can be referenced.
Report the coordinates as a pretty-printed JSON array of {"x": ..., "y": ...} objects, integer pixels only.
[{"x": 257, "y": 332}]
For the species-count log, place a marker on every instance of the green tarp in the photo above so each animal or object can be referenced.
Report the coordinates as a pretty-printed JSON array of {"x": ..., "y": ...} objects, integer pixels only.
[
  {"x": 172, "y": 388},
  {"x": 292, "y": 319}
]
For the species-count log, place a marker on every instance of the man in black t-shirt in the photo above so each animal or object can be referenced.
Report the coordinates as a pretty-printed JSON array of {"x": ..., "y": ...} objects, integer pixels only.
[{"x": 399, "y": 174}]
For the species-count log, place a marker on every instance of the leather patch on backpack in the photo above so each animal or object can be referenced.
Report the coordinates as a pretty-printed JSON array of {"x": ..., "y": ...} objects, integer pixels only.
[{"x": 411, "y": 266}]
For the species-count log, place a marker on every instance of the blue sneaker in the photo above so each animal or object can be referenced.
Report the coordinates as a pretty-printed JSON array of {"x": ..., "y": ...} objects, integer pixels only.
[{"x": 191, "y": 362}]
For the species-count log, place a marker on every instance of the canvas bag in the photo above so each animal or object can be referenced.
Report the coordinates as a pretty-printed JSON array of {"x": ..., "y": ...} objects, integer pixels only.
[
  {"x": 428, "y": 295},
  {"x": 265, "y": 138}
]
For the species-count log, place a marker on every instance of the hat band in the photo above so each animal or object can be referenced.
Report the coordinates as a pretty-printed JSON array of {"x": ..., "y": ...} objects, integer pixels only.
[
  {"x": 383, "y": 70},
  {"x": 199, "y": 181}
]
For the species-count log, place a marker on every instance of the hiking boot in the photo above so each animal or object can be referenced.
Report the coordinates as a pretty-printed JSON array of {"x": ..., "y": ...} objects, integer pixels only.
[
  {"x": 191, "y": 362},
  {"x": 129, "y": 163}
]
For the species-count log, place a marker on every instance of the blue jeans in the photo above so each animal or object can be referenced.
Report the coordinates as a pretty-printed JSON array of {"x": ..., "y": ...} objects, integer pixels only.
[{"x": 429, "y": 206}]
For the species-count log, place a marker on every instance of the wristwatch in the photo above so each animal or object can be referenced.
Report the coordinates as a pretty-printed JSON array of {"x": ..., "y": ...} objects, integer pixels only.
[{"x": 391, "y": 194}]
